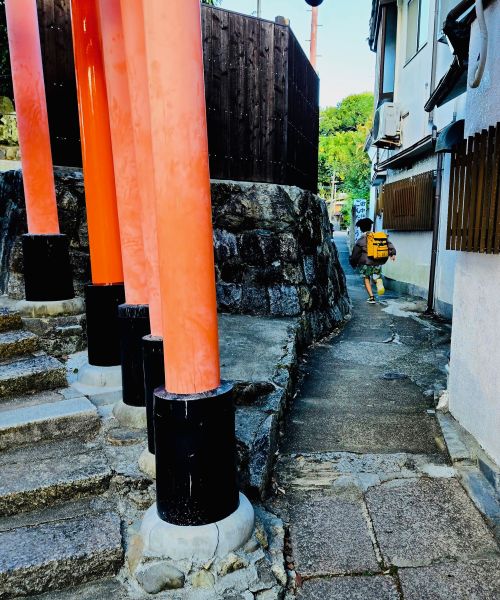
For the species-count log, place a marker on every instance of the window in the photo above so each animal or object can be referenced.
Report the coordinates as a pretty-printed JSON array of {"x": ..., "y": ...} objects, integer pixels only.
[
  {"x": 417, "y": 26},
  {"x": 387, "y": 51}
]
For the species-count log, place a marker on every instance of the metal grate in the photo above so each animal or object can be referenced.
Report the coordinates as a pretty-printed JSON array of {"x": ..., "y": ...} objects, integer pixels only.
[
  {"x": 474, "y": 199},
  {"x": 408, "y": 204}
]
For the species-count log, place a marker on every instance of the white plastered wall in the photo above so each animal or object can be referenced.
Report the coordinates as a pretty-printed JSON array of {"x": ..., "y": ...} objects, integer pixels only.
[
  {"x": 474, "y": 382},
  {"x": 412, "y": 89}
]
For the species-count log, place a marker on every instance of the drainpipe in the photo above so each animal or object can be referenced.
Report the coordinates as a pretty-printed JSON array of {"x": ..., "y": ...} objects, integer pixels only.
[{"x": 435, "y": 235}]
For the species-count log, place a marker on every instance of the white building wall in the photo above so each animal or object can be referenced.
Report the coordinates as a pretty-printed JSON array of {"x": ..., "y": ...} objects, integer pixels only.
[
  {"x": 412, "y": 261},
  {"x": 474, "y": 382},
  {"x": 413, "y": 83}
]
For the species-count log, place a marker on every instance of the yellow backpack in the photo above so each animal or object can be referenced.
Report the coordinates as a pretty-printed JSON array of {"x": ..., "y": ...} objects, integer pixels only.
[{"x": 377, "y": 246}]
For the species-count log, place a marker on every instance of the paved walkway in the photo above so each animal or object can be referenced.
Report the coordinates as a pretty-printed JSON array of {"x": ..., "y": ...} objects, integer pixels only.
[{"x": 375, "y": 512}]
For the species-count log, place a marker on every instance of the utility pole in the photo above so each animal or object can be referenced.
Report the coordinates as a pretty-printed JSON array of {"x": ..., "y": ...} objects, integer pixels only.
[
  {"x": 314, "y": 36},
  {"x": 258, "y": 9}
]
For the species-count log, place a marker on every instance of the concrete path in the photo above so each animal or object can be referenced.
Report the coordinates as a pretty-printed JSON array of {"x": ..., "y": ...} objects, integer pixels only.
[{"x": 375, "y": 511}]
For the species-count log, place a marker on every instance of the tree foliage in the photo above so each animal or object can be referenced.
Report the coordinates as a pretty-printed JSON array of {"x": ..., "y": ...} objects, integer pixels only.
[
  {"x": 212, "y": 2},
  {"x": 343, "y": 132}
]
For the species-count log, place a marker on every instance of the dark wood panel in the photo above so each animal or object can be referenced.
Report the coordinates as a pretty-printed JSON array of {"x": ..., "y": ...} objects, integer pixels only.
[
  {"x": 262, "y": 104},
  {"x": 60, "y": 85},
  {"x": 474, "y": 216},
  {"x": 408, "y": 203}
]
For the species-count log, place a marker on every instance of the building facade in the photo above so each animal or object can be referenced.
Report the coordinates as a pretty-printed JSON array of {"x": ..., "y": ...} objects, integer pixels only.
[{"x": 434, "y": 149}]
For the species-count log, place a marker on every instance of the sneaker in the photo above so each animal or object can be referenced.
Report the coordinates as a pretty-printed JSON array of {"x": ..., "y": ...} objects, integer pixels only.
[
  {"x": 371, "y": 300},
  {"x": 380, "y": 286}
]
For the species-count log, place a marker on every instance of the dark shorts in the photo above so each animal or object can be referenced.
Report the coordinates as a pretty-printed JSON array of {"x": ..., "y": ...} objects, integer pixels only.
[{"x": 368, "y": 271}]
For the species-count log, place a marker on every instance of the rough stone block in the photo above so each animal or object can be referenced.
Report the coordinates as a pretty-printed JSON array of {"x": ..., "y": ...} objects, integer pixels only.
[
  {"x": 262, "y": 454},
  {"x": 16, "y": 343},
  {"x": 154, "y": 577},
  {"x": 418, "y": 522},
  {"x": 111, "y": 589},
  {"x": 254, "y": 300},
  {"x": 9, "y": 319},
  {"x": 477, "y": 579},
  {"x": 350, "y": 588},
  {"x": 225, "y": 245},
  {"x": 229, "y": 296},
  {"x": 46, "y": 416},
  {"x": 51, "y": 556},
  {"x": 70, "y": 473},
  {"x": 35, "y": 373},
  {"x": 284, "y": 301},
  {"x": 330, "y": 536}
]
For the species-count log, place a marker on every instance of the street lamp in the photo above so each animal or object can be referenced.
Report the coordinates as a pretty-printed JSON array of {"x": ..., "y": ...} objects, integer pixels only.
[{"x": 314, "y": 3}]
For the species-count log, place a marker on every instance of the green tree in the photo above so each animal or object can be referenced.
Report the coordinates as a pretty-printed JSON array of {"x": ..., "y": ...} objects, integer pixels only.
[
  {"x": 212, "y": 2},
  {"x": 343, "y": 132}
]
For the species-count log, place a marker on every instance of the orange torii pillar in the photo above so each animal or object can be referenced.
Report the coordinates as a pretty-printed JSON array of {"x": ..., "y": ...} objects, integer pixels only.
[
  {"x": 135, "y": 48},
  {"x": 194, "y": 413},
  {"x": 106, "y": 292},
  {"x": 47, "y": 269},
  {"x": 134, "y": 315}
]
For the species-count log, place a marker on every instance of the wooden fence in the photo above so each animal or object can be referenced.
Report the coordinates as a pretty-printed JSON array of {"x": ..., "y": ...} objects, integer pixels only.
[
  {"x": 262, "y": 97},
  {"x": 60, "y": 87},
  {"x": 408, "y": 204},
  {"x": 474, "y": 197}
]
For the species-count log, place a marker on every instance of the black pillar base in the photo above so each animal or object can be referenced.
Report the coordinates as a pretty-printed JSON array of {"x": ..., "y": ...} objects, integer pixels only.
[
  {"x": 195, "y": 446},
  {"x": 103, "y": 335},
  {"x": 47, "y": 269},
  {"x": 154, "y": 377},
  {"x": 133, "y": 321}
]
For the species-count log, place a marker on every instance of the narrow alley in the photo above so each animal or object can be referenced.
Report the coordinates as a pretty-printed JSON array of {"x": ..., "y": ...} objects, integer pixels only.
[{"x": 375, "y": 511}]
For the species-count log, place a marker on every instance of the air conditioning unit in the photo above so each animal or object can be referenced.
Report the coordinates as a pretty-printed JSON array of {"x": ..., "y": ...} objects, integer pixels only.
[{"x": 386, "y": 126}]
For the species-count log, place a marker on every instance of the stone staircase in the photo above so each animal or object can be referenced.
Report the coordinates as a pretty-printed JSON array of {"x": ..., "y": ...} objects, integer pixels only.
[{"x": 58, "y": 525}]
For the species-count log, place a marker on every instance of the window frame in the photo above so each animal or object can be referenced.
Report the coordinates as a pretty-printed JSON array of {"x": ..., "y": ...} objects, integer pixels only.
[
  {"x": 385, "y": 96},
  {"x": 416, "y": 33}
]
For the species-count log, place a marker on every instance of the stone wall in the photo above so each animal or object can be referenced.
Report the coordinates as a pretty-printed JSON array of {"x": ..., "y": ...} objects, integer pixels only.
[
  {"x": 9, "y": 139},
  {"x": 72, "y": 222},
  {"x": 273, "y": 249},
  {"x": 274, "y": 255}
]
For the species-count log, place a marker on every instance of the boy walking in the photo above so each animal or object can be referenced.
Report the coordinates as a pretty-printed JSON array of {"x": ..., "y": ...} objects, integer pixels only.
[{"x": 366, "y": 260}]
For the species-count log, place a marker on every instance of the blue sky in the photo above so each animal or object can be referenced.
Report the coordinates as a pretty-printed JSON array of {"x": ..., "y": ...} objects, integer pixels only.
[{"x": 346, "y": 64}]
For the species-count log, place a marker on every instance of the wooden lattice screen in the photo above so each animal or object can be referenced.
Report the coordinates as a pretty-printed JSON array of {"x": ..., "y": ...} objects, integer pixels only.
[
  {"x": 474, "y": 199},
  {"x": 408, "y": 204}
]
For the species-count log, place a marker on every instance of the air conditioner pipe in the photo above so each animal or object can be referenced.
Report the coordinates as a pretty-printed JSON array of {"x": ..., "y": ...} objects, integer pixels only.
[{"x": 478, "y": 70}]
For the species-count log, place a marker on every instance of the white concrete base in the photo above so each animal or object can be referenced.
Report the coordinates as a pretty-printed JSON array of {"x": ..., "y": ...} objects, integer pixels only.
[
  {"x": 100, "y": 376},
  {"x": 133, "y": 417},
  {"x": 197, "y": 543},
  {"x": 54, "y": 308},
  {"x": 147, "y": 463}
]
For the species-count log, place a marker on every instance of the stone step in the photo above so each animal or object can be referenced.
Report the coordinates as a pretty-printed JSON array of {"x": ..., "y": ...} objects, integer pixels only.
[
  {"x": 65, "y": 470},
  {"x": 9, "y": 319},
  {"x": 47, "y": 415},
  {"x": 107, "y": 588},
  {"x": 56, "y": 554},
  {"x": 34, "y": 373},
  {"x": 17, "y": 342}
]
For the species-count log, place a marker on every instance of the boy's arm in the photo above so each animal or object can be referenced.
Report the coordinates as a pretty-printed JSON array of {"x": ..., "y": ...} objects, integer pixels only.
[
  {"x": 356, "y": 253},
  {"x": 392, "y": 248}
]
